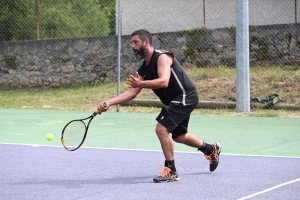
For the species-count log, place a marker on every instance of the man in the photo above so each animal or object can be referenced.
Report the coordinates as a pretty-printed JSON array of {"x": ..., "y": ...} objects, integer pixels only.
[{"x": 162, "y": 73}]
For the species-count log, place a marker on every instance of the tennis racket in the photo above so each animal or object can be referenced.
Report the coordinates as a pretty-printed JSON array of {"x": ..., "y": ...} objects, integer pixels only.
[{"x": 74, "y": 133}]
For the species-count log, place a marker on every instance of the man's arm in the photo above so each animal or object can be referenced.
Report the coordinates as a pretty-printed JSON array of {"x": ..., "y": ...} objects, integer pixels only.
[
  {"x": 164, "y": 63},
  {"x": 122, "y": 98}
]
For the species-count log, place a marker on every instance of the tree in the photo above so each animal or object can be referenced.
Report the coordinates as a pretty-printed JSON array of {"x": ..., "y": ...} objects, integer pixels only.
[
  {"x": 17, "y": 20},
  {"x": 57, "y": 19}
]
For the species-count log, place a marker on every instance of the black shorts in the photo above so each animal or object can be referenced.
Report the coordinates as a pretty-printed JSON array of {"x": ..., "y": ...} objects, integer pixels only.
[{"x": 175, "y": 117}]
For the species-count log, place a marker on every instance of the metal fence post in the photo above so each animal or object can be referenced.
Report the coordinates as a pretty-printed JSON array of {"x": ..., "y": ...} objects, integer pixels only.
[
  {"x": 119, "y": 18},
  {"x": 242, "y": 57}
]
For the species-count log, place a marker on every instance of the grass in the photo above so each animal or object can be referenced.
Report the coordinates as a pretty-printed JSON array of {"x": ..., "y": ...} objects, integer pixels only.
[{"x": 213, "y": 84}]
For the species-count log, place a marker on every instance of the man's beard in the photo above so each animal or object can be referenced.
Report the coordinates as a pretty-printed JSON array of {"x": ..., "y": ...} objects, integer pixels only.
[{"x": 141, "y": 54}]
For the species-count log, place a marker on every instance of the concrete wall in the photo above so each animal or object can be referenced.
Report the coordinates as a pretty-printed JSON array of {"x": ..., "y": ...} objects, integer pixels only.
[{"x": 174, "y": 15}]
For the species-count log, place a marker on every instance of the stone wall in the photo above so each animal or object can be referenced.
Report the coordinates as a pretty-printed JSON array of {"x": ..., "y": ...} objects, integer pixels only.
[{"x": 64, "y": 62}]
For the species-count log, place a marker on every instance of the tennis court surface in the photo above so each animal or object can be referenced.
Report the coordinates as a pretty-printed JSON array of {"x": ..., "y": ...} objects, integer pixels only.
[{"x": 260, "y": 158}]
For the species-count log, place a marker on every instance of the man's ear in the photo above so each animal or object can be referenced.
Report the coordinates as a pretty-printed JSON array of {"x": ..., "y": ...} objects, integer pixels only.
[{"x": 147, "y": 42}]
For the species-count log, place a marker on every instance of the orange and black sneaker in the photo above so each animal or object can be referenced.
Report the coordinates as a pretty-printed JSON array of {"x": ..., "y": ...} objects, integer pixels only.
[
  {"x": 214, "y": 157},
  {"x": 166, "y": 176}
]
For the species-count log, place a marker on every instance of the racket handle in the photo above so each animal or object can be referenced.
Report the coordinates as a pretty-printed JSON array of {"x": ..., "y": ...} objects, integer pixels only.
[{"x": 104, "y": 105}]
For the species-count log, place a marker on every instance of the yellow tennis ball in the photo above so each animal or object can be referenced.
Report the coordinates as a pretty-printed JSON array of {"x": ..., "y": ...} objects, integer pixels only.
[{"x": 50, "y": 136}]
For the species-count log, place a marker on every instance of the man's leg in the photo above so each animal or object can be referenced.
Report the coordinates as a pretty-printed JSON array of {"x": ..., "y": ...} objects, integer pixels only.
[
  {"x": 211, "y": 151},
  {"x": 167, "y": 145},
  {"x": 166, "y": 141},
  {"x": 190, "y": 140}
]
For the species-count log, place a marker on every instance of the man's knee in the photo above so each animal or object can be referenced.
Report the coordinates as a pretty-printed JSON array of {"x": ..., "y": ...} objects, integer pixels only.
[{"x": 160, "y": 130}]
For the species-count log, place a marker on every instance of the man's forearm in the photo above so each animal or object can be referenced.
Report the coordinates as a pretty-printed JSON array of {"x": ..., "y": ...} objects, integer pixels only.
[{"x": 122, "y": 98}]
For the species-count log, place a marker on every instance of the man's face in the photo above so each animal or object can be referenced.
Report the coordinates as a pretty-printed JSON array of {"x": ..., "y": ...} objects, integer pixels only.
[{"x": 138, "y": 47}]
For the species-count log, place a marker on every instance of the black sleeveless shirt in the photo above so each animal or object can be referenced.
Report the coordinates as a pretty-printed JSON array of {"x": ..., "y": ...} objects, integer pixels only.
[{"x": 180, "y": 90}]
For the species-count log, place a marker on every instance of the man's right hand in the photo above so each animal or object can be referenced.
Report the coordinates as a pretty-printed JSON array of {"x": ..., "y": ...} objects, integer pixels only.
[{"x": 102, "y": 107}]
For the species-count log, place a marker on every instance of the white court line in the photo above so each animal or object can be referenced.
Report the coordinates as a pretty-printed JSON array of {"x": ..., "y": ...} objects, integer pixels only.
[
  {"x": 123, "y": 149},
  {"x": 270, "y": 189}
]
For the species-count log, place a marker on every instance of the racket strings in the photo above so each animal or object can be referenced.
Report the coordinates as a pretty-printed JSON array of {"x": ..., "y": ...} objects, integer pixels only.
[{"x": 74, "y": 134}]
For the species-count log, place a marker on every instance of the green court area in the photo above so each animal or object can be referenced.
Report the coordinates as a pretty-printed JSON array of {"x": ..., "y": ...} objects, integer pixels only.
[{"x": 237, "y": 134}]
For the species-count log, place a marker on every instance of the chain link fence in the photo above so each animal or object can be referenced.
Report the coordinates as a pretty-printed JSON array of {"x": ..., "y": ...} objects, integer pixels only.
[{"x": 49, "y": 45}]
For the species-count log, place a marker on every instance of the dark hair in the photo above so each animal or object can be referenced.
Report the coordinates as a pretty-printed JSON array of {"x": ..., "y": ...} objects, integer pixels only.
[{"x": 143, "y": 34}]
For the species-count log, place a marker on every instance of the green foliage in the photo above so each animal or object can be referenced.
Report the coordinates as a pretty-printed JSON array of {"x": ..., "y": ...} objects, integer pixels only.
[
  {"x": 298, "y": 44},
  {"x": 263, "y": 46},
  {"x": 19, "y": 19},
  {"x": 10, "y": 62},
  {"x": 295, "y": 67},
  {"x": 197, "y": 43},
  {"x": 252, "y": 27},
  {"x": 232, "y": 32},
  {"x": 189, "y": 52}
]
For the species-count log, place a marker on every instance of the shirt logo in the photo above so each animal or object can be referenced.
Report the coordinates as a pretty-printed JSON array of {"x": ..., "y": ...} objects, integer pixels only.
[{"x": 162, "y": 117}]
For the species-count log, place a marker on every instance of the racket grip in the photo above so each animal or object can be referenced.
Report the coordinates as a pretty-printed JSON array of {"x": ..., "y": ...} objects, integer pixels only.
[{"x": 104, "y": 105}]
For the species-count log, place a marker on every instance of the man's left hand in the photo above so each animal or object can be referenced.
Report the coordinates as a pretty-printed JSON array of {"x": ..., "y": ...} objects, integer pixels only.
[{"x": 134, "y": 82}]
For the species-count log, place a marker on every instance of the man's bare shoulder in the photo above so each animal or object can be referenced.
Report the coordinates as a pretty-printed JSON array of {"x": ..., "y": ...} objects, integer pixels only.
[{"x": 165, "y": 58}]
